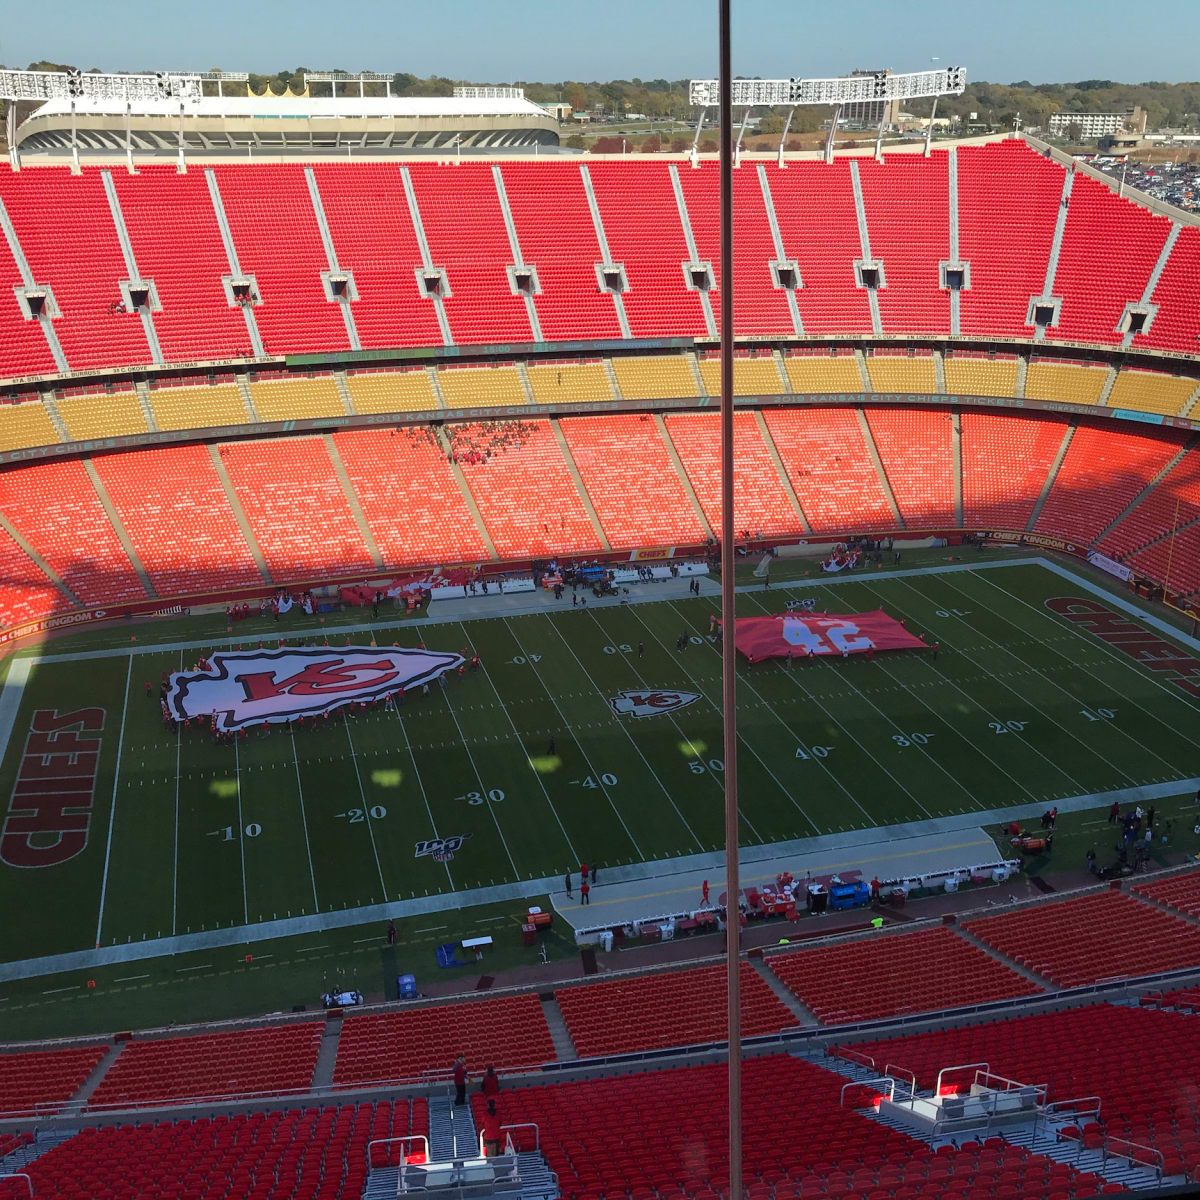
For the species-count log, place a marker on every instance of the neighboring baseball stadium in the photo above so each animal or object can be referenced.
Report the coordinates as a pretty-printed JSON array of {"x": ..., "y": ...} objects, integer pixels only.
[{"x": 360, "y": 594}]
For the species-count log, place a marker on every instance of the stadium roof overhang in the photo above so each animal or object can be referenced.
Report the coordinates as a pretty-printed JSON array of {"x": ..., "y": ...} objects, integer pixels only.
[
  {"x": 169, "y": 115},
  {"x": 881, "y": 88}
]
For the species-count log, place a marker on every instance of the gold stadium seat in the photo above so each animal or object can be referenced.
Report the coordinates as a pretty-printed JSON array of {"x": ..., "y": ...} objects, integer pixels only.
[
  {"x": 289, "y": 399},
  {"x": 654, "y": 378},
  {"x": 392, "y": 391},
  {"x": 480, "y": 387},
  {"x": 212, "y": 407},
  {"x": 823, "y": 373},
  {"x": 1064, "y": 382},
  {"x": 900, "y": 373},
  {"x": 751, "y": 376},
  {"x": 103, "y": 414},
  {"x": 980, "y": 376},
  {"x": 1151, "y": 391},
  {"x": 569, "y": 383},
  {"x": 26, "y": 424}
]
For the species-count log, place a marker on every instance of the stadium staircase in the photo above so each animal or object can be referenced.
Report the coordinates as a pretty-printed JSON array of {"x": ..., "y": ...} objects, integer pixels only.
[
  {"x": 92, "y": 1082},
  {"x": 452, "y": 1132},
  {"x": 564, "y": 1047},
  {"x": 44, "y": 1140},
  {"x": 804, "y": 1015},
  {"x": 1012, "y": 964},
  {"x": 1041, "y": 1136}
]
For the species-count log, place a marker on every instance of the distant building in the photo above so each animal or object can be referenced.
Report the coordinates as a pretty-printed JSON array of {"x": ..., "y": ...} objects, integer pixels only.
[
  {"x": 1098, "y": 125},
  {"x": 868, "y": 112}
]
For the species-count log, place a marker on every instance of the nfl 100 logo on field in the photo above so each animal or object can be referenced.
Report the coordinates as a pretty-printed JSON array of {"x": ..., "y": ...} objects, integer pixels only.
[
  {"x": 247, "y": 687},
  {"x": 441, "y": 849},
  {"x": 648, "y": 702}
]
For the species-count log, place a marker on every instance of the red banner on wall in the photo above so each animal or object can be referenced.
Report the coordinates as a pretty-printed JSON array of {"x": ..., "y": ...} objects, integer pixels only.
[{"x": 800, "y": 634}]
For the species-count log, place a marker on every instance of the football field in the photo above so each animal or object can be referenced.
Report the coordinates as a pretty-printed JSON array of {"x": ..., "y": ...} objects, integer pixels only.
[{"x": 524, "y": 769}]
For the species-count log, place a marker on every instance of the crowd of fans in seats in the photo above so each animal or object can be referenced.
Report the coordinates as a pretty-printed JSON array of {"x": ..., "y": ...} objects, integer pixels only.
[{"x": 477, "y": 443}]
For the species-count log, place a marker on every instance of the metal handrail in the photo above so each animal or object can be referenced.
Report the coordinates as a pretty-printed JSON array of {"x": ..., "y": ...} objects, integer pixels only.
[
  {"x": 894, "y": 1069},
  {"x": 20, "y": 1175},
  {"x": 1158, "y": 1166},
  {"x": 408, "y": 1137},
  {"x": 937, "y": 1090},
  {"x": 1052, "y": 1108},
  {"x": 853, "y": 1055},
  {"x": 891, "y": 1094},
  {"x": 537, "y": 1138}
]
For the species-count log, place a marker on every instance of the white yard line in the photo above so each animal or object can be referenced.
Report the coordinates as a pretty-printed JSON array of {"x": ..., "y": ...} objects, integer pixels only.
[
  {"x": 617, "y": 720},
  {"x": 1026, "y": 699},
  {"x": 237, "y": 778},
  {"x": 517, "y": 739},
  {"x": 1088, "y": 639},
  {"x": 11, "y": 692},
  {"x": 366, "y": 807},
  {"x": 744, "y": 681},
  {"x": 112, "y": 812},
  {"x": 483, "y": 788},
  {"x": 794, "y": 675},
  {"x": 420, "y": 783},
  {"x": 720, "y": 716},
  {"x": 975, "y": 740},
  {"x": 304, "y": 820}
]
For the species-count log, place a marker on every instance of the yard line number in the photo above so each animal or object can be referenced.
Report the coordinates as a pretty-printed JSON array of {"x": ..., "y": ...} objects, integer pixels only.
[
  {"x": 228, "y": 833},
  {"x": 904, "y": 740},
  {"x": 812, "y": 752},
  {"x": 698, "y": 767},
  {"x": 1098, "y": 714},
  {"x": 608, "y": 779},
  {"x": 356, "y": 816},
  {"x": 492, "y": 796},
  {"x": 1007, "y": 726}
]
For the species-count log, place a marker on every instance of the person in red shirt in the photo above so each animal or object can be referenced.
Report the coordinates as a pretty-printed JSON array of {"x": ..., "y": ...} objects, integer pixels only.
[
  {"x": 491, "y": 1131},
  {"x": 704, "y": 892},
  {"x": 583, "y": 872},
  {"x": 460, "y": 1081},
  {"x": 584, "y": 890},
  {"x": 490, "y": 1086}
]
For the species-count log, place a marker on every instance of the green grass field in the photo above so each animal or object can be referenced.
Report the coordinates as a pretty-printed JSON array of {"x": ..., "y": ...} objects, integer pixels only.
[{"x": 1020, "y": 707}]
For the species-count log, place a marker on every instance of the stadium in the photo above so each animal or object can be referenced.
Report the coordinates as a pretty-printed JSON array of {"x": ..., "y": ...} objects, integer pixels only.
[{"x": 362, "y": 562}]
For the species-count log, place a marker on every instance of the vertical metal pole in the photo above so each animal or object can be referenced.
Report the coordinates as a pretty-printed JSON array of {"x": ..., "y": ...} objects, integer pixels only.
[{"x": 728, "y": 616}]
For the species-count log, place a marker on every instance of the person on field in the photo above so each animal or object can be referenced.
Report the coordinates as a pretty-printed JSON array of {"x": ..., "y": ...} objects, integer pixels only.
[{"x": 567, "y": 881}]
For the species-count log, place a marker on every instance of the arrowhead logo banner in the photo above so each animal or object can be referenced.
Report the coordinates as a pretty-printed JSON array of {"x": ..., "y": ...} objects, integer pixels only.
[
  {"x": 649, "y": 702},
  {"x": 248, "y": 687}
]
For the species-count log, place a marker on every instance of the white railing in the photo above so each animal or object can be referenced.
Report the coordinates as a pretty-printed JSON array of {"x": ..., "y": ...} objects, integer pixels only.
[
  {"x": 410, "y": 1137},
  {"x": 869, "y": 1083}
]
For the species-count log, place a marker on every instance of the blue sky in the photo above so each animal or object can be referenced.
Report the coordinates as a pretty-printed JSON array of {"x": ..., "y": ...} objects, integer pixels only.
[{"x": 503, "y": 40}]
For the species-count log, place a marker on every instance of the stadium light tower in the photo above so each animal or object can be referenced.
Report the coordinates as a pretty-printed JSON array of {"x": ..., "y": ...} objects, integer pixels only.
[
  {"x": 876, "y": 87},
  {"x": 362, "y": 78},
  {"x": 18, "y": 86}
]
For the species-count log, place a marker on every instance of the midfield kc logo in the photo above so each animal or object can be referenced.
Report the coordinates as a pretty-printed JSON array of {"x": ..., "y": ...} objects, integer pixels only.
[
  {"x": 248, "y": 687},
  {"x": 648, "y": 702}
]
